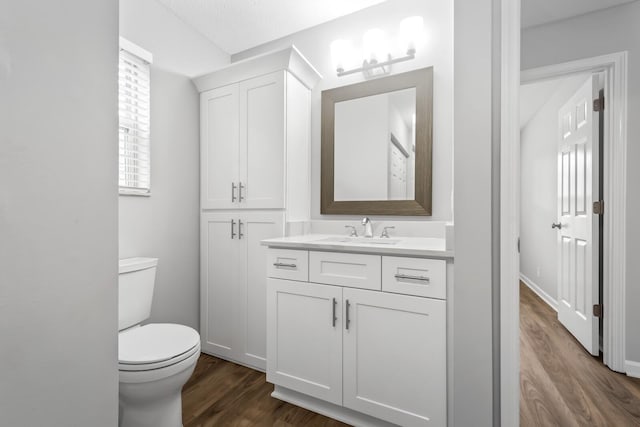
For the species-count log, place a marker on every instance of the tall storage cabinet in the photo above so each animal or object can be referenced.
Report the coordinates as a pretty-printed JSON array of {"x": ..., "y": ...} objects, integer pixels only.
[{"x": 254, "y": 141}]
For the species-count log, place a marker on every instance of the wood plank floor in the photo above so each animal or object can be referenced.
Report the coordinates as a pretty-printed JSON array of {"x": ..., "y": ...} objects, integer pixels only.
[
  {"x": 563, "y": 385},
  {"x": 221, "y": 393}
]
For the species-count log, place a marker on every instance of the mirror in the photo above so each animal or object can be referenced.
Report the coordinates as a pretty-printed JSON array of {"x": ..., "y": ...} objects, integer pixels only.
[{"x": 376, "y": 146}]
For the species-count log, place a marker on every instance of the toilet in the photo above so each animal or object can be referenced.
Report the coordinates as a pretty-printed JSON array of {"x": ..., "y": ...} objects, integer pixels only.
[{"x": 154, "y": 360}]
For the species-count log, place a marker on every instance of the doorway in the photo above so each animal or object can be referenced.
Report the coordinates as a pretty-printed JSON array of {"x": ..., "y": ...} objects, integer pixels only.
[
  {"x": 560, "y": 234},
  {"x": 614, "y": 68}
]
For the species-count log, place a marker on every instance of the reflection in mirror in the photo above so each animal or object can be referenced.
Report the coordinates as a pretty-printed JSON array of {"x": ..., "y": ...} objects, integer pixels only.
[{"x": 375, "y": 147}]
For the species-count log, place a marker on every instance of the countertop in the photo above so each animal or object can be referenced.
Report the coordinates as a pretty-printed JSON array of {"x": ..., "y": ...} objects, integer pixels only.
[{"x": 408, "y": 246}]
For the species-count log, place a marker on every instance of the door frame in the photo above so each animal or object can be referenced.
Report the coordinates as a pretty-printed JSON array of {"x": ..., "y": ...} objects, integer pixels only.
[{"x": 614, "y": 241}]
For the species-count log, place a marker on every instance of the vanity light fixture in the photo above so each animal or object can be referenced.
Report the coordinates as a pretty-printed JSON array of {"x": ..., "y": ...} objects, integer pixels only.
[{"x": 375, "y": 49}]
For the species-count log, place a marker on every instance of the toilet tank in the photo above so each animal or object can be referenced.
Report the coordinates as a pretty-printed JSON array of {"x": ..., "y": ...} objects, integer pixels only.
[{"x": 135, "y": 290}]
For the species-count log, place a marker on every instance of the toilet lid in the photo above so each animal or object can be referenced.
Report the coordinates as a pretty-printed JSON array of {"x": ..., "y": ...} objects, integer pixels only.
[{"x": 155, "y": 342}]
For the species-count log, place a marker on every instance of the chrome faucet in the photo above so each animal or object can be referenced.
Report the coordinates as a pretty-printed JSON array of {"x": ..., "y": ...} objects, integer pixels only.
[{"x": 368, "y": 231}]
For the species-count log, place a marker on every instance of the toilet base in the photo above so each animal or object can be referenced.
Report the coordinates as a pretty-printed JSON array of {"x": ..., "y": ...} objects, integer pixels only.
[
  {"x": 154, "y": 403},
  {"x": 160, "y": 413}
]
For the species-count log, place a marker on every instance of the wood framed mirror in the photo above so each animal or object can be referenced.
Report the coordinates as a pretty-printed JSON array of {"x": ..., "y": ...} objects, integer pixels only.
[{"x": 376, "y": 146}]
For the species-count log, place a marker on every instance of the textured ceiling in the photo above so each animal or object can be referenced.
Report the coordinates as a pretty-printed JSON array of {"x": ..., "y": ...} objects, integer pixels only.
[
  {"x": 237, "y": 25},
  {"x": 537, "y": 12}
]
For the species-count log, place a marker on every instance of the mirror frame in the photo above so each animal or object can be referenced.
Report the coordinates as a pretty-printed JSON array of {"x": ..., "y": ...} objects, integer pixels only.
[{"x": 422, "y": 81}]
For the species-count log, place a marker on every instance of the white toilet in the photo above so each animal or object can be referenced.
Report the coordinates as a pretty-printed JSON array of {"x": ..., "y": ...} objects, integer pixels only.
[{"x": 155, "y": 360}]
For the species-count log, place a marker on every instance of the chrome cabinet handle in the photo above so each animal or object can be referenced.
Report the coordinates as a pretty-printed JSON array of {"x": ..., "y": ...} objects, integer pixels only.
[
  {"x": 283, "y": 264},
  {"x": 406, "y": 276},
  {"x": 233, "y": 232},
  {"x": 333, "y": 314},
  {"x": 346, "y": 318},
  {"x": 240, "y": 187},
  {"x": 233, "y": 192},
  {"x": 557, "y": 225},
  {"x": 240, "y": 235}
]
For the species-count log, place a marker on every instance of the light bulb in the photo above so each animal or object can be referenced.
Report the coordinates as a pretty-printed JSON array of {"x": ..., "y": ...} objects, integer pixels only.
[
  {"x": 340, "y": 52},
  {"x": 374, "y": 46},
  {"x": 411, "y": 33}
]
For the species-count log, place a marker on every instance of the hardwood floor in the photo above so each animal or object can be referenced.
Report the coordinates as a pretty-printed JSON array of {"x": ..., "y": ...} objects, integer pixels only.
[
  {"x": 221, "y": 393},
  {"x": 563, "y": 385}
]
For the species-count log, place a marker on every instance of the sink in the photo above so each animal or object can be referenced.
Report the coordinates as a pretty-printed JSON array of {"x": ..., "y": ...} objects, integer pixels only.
[{"x": 361, "y": 240}]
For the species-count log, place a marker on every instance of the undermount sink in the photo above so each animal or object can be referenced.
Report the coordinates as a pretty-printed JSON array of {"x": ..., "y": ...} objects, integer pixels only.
[{"x": 361, "y": 240}]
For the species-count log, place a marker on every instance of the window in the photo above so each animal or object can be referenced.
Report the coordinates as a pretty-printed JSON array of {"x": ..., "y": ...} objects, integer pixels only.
[{"x": 134, "y": 110}]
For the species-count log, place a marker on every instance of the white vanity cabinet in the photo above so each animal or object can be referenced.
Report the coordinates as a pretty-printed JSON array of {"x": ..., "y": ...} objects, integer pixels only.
[{"x": 377, "y": 353}]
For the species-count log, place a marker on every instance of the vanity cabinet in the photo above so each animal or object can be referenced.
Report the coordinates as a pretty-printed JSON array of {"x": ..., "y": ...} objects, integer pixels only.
[
  {"x": 243, "y": 144},
  {"x": 379, "y": 353}
]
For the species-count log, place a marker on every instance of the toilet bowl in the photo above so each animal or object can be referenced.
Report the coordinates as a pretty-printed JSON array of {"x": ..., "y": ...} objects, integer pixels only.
[{"x": 154, "y": 360}]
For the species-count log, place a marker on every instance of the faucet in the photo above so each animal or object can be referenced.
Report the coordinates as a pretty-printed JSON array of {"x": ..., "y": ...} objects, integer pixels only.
[{"x": 368, "y": 231}]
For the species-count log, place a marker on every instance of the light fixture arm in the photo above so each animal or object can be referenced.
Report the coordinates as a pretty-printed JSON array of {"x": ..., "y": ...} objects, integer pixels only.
[{"x": 367, "y": 66}]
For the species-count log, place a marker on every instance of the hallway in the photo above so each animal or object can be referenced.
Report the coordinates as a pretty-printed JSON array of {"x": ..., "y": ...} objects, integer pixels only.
[{"x": 560, "y": 383}]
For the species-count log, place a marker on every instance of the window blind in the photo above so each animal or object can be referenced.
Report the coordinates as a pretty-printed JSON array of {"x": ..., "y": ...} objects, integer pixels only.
[{"x": 134, "y": 124}]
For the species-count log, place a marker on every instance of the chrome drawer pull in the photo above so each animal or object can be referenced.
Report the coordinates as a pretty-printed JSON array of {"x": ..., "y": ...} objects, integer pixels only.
[
  {"x": 333, "y": 315},
  {"x": 347, "y": 320},
  {"x": 282, "y": 264},
  {"x": 406, "y": 276}
]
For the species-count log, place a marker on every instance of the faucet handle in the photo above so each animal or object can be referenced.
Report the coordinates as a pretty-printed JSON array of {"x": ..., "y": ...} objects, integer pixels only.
[
  {"x": 385, "y": 233},
  {"x": 353, "y": 233}
]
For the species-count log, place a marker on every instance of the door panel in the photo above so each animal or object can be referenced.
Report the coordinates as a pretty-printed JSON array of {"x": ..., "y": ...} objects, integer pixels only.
[
  {"x": 219, "y": 274},
  {"x": 395, "y": 357},
  {"x": 304, "y": 342},
  {"x": 262, "y": 145},
  {"x": 219, "y": 146},
  {"x": 578, "y": 188},
  {"x": 255, "y": 227}
]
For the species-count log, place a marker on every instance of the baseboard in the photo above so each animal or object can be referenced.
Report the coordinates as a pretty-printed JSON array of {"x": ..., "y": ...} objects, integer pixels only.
[
  {"x": 632, "y": 368},
  {"x": 327, "y": 409},
  {"x": 538, "y": 291}
]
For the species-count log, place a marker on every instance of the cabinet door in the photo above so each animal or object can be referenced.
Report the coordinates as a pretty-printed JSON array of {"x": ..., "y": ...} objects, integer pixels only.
[
  {"x": 219, "y": 149},
  {"x": 304, "y": 342},
  {"x": 262, "y": 147},
  {"x": 395, "y": 357},
  {"x": 252, "y": 309},
  {"x": 219, "y": 276}
]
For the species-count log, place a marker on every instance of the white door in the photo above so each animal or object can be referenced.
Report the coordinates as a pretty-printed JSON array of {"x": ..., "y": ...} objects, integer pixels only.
[
  {"x": 577, "y": 226},
  {"x": 395, "y": 357},
  {"x": 219, "y": 121},
  {"x": 252, "y": 287},
  {"x": 219, "y": 246},
  {"x": 305, "y": 338},
  {"x": 262, "y": 146}
]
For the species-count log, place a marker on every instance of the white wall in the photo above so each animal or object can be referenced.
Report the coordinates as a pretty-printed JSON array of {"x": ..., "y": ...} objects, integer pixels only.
[
  {"x": 315, "y": 44},
  {"x": 176, "y": 47},
  {"x": 611, "y": 30},
  {"x": 538, "y": 187},
  {"x": 166, "y": 225},
  {"x": 472, "y": 293},
  {"x": 58, "y": 213}
]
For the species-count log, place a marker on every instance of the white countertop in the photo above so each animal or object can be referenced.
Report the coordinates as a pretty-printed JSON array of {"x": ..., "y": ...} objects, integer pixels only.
[{"x": 412, "y": 246}]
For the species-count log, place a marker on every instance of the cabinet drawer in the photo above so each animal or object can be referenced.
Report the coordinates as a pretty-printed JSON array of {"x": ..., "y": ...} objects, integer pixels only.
[
  {"x": 415, "y": 276},
  {"x": 288, "y": 264},
  {"x": 352, "y": 270}
]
